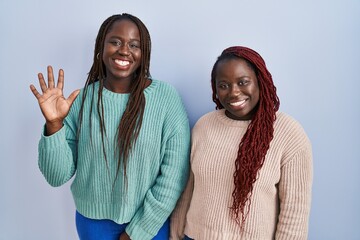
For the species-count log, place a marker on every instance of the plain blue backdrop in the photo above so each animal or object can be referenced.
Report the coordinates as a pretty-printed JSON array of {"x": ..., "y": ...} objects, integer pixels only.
[{"x": 311, "y": 48}]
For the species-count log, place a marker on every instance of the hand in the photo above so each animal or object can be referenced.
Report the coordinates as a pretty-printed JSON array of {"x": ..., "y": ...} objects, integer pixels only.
[
  {"x": 124, "y": 236},
  {"x": 52, "y": 103}
]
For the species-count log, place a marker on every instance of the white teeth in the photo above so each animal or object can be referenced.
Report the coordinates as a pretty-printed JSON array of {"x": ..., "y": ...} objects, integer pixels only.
[
  {"x": 121, "y": 62},
  {"x": 237, "y": 103}
]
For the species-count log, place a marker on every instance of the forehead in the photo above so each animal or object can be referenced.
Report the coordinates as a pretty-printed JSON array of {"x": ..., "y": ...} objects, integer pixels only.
[
  {"x": 124, "y": 27},
  {"x": 234, "y": 66}
]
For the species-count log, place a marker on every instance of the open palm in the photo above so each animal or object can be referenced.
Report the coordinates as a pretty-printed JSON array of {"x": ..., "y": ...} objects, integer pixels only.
[{"x": 54, "y": 106}]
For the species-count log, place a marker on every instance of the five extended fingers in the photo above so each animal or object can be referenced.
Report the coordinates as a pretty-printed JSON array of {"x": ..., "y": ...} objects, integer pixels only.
[{"x": 51, "y": 83}]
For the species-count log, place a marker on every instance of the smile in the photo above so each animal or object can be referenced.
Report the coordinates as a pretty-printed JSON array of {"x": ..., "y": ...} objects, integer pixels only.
[
  {"x": 122, "y": 62},
  {"x": 235, "y": 104}
]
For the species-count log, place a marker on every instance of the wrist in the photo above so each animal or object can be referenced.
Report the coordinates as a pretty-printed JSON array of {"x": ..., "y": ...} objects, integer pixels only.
[{"x": 53, "y": 127}]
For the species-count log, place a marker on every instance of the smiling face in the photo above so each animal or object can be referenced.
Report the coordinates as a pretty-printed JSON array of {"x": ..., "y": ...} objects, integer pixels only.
[
  {"x": 122, "y": 51},
  {"x": 237, "y": 88}
]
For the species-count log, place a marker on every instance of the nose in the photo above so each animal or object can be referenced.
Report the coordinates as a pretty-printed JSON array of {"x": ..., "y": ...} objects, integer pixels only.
[
  {"x": 124, "y": 50},
  {"x": 235, "y": 90}
]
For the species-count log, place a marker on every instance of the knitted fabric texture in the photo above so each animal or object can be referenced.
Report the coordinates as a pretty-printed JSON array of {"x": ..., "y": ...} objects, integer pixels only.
[
  {"x": 157, "y": 167},
  {"x": 280, "y": 202}
]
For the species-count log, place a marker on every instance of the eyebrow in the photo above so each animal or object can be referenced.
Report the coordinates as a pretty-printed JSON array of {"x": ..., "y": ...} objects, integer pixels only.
[
  {"x": 238, "y": 78},
  {"x": 117, "y": 37}
]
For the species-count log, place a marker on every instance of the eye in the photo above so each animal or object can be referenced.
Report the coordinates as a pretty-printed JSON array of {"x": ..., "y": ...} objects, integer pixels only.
[
  {"x": 116, "y": 43},
  {"x": 223, "y": 86},
  {"x": 134, "y": 45},
  {"x": 243, "y": 82}
]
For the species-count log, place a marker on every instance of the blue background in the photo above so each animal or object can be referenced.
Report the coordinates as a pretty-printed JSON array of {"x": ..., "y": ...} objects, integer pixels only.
[{"x": 311, "y": 48}]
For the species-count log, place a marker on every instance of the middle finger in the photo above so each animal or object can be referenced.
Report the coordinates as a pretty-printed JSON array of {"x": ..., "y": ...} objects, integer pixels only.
[{"x": 51, "y": 83}]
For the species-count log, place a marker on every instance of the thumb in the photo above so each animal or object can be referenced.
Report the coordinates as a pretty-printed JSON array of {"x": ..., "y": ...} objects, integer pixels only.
[{"x": 73, "y": 96}]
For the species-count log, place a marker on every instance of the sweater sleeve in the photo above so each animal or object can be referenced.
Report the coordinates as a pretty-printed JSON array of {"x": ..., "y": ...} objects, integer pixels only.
[
  {"x": 161, "y": 199},
  {"x": 295, "y": 196},
  {"x": 58, "y": 154},
  {"x": 178, "y": 217}
]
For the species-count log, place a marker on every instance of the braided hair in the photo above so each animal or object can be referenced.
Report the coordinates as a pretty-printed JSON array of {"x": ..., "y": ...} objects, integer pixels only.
[
  {"x": 256, "y": 141},
  {"x": 131, "y": 121}
]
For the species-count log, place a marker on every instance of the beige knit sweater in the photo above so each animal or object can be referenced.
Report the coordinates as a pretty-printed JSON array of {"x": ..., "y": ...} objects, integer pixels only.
[{"x": 280, "y": 203}]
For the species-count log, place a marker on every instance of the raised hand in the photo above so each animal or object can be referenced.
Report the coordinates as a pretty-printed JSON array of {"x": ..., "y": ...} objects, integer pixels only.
[{"x": 52, "y": 102}]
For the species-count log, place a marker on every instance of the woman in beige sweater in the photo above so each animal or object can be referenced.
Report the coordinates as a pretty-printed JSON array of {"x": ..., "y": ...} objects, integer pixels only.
[{"x": 251, "y": 166}]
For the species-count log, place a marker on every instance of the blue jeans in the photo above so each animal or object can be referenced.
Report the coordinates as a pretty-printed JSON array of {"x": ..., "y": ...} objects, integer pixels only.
[
  {"x": 187, "y": 238},
  {"x": 94, "y": 229}
]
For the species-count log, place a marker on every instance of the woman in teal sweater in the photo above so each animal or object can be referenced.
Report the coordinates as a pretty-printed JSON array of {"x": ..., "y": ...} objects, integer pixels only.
[{"x": 125, "y": 137}]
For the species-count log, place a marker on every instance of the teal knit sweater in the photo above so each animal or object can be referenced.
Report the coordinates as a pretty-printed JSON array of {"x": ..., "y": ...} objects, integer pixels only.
[{"x": 157, "y": 167}]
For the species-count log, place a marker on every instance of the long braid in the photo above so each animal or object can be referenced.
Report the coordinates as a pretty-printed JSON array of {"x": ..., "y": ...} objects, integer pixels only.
[
  {"x": 256, "y": 141},
  {"x": 131, "y": 121}
]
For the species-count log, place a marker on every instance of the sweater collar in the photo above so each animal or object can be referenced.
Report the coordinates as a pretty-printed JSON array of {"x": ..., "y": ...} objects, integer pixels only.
[
  {"x": 220, "y": 114},
  {"x": 110, "y": 94}
]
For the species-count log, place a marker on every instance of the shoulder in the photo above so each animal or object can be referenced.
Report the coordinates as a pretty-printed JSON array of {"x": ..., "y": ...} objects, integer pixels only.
[
  {"x": 290, "y": 132},
  {"x": 87, "y": 91},
  {"x": 164, "y": 102},
  {"x": 163, "y": 87},
  {"x": 210, "y": 116},
  {"x": 206, "y": 121},
  {"x": 164, "y": 96},
  {"x": 287, "y": 123}
]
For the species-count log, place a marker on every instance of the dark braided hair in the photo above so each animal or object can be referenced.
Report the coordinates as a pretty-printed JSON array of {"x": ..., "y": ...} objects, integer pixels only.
[
  {"x": 131, "y": 121},
  {"x": 256, "y": 141}
]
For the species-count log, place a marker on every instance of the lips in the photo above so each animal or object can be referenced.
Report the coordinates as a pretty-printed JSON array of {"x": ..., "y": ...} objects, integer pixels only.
[
  {"x": 122, "y": 63},
  {"x": 237, "y": 103}
]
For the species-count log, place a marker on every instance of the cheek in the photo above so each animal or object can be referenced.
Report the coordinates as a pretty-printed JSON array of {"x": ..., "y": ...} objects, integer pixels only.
[
  {"x": 137, "y": 54},
  {"x": 106, "y": 52},
  {"x": 221, "y": 96},
  {"x": 218, "y": 94},
  {"x": 257, "y": 94}
]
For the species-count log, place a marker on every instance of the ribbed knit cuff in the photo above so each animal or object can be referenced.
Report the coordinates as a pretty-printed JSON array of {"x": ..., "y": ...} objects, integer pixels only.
[
  {"x": 52, "y": 141},
  {"x": 55, "y": 158},
  {"x": 137, "y": 233}
]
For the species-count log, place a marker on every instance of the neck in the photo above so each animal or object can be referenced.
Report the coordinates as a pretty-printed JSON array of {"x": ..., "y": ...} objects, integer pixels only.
[{"x": 122, "y": 86}]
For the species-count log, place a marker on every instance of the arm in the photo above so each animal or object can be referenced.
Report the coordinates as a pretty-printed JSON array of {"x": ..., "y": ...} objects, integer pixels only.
[
  {"x": 57, "y": 145},
  {"x": 295, "y": 196},
  {"x": 161, "y": 199},
  {"x": 57, "y": 155},
  {"x": 178, "y": 217}
]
